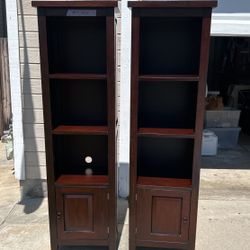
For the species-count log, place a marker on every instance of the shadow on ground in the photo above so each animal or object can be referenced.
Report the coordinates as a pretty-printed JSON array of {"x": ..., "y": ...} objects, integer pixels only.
[{"x": 31, "y": 205}]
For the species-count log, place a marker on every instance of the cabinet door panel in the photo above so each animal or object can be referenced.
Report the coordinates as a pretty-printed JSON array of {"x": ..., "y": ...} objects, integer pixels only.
[
  {"x": 162, "y": 222},
  {"x": 78, "y": 211},
  {"x": 82, "y": 213},
  {"x": 163, "y": 215}
]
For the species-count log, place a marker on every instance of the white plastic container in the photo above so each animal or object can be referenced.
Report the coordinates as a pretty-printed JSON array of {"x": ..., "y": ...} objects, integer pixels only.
[
  {"x": 209, "y": 143},
  {"x": 227, "y": 137},
  {"x": 227, "y": 118}
]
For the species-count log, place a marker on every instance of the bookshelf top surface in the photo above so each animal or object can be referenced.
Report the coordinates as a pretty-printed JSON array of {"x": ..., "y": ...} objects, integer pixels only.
[
  {"x": 173, "y": 3},
  {"x": 72, "y": 3}
]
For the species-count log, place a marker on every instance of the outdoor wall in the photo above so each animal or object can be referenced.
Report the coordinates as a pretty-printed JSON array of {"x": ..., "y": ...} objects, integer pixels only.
[
  {"x": 34, "y": 144},
  {"x": 5, "y": 98},
  {"x": 233, "y": 6},
  {"x": 231, "y": 18}
]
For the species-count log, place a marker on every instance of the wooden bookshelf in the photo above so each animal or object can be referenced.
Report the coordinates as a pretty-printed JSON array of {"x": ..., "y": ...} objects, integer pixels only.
[
  {"x": 77, "y": 41},
  {"x": 170, "y": 42}
]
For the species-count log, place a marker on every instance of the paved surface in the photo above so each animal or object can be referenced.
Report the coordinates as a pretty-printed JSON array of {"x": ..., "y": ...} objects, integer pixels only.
[
  {"x": 9, "y": 188},
  {"x": 224, "y": 210},
  {"x": 229, "y": 159},
  {"x": 236, "y": 158},
  {"x": 223, "y": 219}
]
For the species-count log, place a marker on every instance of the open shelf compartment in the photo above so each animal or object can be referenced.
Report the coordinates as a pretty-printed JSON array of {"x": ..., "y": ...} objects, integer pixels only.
[
  {"x": 79, "y": 102},
  {"x": 70, "y": 152},
  {"x": 76, "y": 44},
  {"x": 165, "y": 157},
  {"x": 169, "y": 45},
  {"x": 167, "y": 104}
]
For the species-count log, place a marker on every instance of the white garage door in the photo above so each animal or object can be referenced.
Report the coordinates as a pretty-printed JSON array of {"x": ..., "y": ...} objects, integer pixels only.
[{"x": 227, "y": 24}]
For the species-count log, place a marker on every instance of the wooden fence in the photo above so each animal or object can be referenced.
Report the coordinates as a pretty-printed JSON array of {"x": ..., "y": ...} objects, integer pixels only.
[{"x": 5, "y": 99}]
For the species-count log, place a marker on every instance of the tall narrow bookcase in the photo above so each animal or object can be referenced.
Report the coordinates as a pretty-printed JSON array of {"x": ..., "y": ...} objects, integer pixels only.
[
  {"x": 170, "y": 43},
  {"x": 77, "y": 47}
]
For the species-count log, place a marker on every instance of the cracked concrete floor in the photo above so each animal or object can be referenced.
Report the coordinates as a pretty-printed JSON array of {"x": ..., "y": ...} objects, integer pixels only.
[{"x": 223, "y": 218}]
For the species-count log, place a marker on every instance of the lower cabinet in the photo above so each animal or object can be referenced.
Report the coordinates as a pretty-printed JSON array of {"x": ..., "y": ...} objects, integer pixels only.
[
  {"x": 162, "y": 215},
  {"x": 82, "y": 213}
]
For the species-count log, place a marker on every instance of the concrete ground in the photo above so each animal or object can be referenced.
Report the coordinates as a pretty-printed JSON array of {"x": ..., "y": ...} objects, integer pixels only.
[
  {"x": 223, "y": 219},
  {"x": 238, "y": 157}
]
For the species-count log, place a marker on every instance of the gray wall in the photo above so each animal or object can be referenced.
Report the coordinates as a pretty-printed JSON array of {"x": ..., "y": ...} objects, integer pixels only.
[{"x": 233, "y": 6}]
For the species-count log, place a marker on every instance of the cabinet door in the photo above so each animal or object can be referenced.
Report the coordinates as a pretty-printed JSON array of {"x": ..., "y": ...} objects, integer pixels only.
[
  {"x": 163, "y": 215},
  {"x": 82, "y": 213}
]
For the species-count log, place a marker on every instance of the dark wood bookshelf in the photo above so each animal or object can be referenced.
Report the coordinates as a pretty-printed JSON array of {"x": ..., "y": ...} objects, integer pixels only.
[
  {"x": 77, "y": 41},
  {"x": 80, "y": 130},
  {"x": 170, "y": 43},
  {"x": 177, "y": 78}
]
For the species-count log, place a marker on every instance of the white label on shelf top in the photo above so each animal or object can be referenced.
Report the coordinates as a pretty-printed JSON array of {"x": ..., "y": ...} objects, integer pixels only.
[{"x": 81, "y": 12}]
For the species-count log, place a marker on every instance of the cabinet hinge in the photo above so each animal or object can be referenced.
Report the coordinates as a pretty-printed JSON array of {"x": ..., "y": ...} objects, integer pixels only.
[
  {"x": 108, "y": 230},
  {"x": 136, "y": 197},
  {"x": 107, "y": 196}
]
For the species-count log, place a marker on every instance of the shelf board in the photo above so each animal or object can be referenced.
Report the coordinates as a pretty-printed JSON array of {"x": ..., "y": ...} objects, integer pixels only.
[
  {"x": 78, "y": 76},
  {"x": 73, "y": 3},
  {"x": 173, "y": 4},
  {"x": 82, "y": 180},
  {"x": 167, "y": 132},
  {"x": 80, "y": 130},
  {"x": 164, "y": 182},
  {"x": 186, "y": 78}
]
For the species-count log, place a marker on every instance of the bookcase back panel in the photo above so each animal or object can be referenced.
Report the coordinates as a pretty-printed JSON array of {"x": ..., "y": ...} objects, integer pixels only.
[
  {"x": 77, "y": 44},
  {"x": 79, "y": 102},
  {"x": 167, "y": 104},
  {"x": 70, "y": 152},
  {"x": 165, "y": 157},
  {"x": 169, "y": 45}
]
